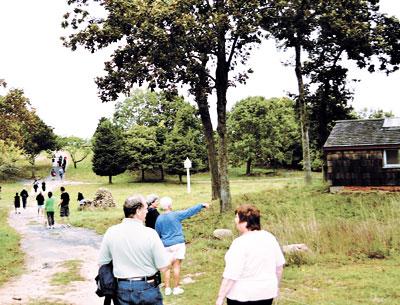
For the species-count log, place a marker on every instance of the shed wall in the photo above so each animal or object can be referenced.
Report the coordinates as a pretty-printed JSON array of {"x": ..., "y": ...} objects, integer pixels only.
[{"x": 359, "y": 168}]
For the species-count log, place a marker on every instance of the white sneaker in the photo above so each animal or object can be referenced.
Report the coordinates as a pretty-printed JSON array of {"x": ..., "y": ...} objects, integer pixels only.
[
  {"x": 168, "y": 291},
  {"x": 178, "y": 290}
]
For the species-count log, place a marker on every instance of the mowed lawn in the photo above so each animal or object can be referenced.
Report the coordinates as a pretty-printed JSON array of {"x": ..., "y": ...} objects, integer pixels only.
[{"x": 354, "y": 238}]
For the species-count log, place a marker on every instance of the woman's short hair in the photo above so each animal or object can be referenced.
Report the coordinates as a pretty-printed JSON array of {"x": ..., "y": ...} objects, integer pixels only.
[
  {"x": 132, "y": 204},
  {"x": 165, "y": 203},
  {"x": 250, "y": 214}
]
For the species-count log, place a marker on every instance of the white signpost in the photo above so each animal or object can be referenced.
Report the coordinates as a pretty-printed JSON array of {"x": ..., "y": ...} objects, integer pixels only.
[{"x": 188, "y": 165}]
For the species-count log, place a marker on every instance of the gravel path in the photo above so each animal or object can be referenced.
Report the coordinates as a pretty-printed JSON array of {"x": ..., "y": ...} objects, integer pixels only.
[{"x": 45, "y": 251}]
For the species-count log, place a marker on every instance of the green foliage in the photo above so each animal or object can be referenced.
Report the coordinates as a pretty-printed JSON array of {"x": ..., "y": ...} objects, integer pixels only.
[
  {"x": 145, "y": 152},
  {"x": 15, "y": 114},
  {"x": 9, "y": 155},
  {"x": 110, "y": 157},
  {"x": 263, "y": 131},
  {"x": 38, "y": 137},
  {"x": 79, "y": 149},
  {"x": 366, "y": 113}
]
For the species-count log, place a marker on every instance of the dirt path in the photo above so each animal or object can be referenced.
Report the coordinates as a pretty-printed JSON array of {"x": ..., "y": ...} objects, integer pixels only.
[{"x": 45, "y": 251}]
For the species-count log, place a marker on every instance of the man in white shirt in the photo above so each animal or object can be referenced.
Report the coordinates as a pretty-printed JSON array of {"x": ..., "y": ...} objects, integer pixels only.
[{"x": 137, "y": 254}]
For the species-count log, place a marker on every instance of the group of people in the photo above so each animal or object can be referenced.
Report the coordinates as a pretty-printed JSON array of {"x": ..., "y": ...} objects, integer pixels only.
[
  {"x": 146, "y": 242},
  {"x": 46, "y": 206},
  {"x": 59, "y": 162}
]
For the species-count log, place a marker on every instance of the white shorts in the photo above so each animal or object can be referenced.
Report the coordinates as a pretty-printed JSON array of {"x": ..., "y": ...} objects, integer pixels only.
[
  {"x": 177, "y": 251},
  {"x": 41, "y": 207}
]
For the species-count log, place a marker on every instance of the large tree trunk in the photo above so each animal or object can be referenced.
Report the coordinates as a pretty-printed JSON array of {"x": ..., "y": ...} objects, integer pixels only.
[
  {"x": 180, "y": 179},
  {"x": 142, "y": 175},
  {"x": 110, "y": 179},
  {"x": 305, "y": 141},
  {"x": 201, "y": 95},
  {"x": 162, "y": 172},
  {"x": 248, "y": 167},
  {"x": 32, "y": 160},
  {"x": 222, "y": 87}
]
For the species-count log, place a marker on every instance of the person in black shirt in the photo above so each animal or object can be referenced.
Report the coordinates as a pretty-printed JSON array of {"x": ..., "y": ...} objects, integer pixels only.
[
  {"x": 43, "y": 186},
  {"x": 17, "y": 203},
  {"x": 24, "y": 196},
  {"x": 40, "y": 204},
  {"x": 64, "y": 207},
  {"x": 152, "y": 213}
]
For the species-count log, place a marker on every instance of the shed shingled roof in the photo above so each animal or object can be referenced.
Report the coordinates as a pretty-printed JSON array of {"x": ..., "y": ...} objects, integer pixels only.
[{"x": 362, "y": 133}]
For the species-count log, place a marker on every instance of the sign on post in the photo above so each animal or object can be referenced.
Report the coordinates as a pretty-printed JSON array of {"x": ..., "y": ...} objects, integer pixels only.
[{"x": 188, "y": 165}]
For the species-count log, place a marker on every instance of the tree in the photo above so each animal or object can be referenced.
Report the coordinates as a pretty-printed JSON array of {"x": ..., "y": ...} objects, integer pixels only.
[
  {"x": 144, "y": 149},
  {"x": 37, "y": 138},
  {"x": 15, "y": 114},
  {"x": 322, "y": 32},
  {"x": 78, "y": 148},
  {"x": 366, "y": 113},
  {"x": 262, "y": 131},
  {"x": 9, "y": 155},
  {"x": 193, "y": 42},
  {"x": 110, "y": 156},
  {"x": 185, "y": 141}
]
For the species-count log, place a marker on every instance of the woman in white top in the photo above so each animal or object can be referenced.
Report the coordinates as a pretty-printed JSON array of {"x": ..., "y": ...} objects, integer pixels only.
[{"x": 253, "y": 263}]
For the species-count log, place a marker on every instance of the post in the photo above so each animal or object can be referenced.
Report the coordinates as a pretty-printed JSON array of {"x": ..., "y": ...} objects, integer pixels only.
[{"x": 187, "y": 164}]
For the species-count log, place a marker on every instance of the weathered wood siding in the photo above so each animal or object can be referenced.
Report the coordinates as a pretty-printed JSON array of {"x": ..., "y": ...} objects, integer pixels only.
[{"x": 359, "y": 168}]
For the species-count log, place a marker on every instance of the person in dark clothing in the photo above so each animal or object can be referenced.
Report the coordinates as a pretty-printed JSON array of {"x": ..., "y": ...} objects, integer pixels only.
[
  {"x": 64, "y": 207},
  {"x": 40, "y": 202},
  {"x": 17, "y": 203},
  {"x": 24, "y": 196},
  {"x": 35, "y": 185},
  {"x": 44, "y": 186},
  {"x": 64, "y": 163},
  {"x": 59, "y": 160},
  {"x": 152, "y": 213}
]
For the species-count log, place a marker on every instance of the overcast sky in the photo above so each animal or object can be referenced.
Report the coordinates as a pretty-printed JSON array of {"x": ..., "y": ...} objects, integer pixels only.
[{"x": 60, "y": 83}]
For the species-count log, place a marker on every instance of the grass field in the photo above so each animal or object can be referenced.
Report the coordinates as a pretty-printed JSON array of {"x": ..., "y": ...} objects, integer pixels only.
[{"x": 354, "y": 238}]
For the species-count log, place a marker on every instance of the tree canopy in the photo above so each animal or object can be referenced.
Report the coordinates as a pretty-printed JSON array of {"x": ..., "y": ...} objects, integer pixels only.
[
  {"x": 263, "y": 132},
  {"x": 110, "y": 156}
]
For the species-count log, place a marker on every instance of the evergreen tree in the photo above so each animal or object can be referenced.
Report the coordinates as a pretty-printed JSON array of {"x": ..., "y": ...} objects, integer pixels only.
[{"x": 110, "y": 157}]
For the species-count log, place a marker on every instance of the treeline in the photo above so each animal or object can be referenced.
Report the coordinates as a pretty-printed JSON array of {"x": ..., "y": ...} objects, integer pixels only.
[
  {"x": 149, "y": 131},
  {"x": 23, "y": 134}
]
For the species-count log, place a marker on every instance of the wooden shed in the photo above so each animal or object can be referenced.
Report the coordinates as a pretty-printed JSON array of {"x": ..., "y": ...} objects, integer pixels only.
[{"x": 363, "y": 153}]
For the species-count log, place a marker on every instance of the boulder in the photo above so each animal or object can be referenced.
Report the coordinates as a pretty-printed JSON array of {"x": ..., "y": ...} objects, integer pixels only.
[
  {"x": 295, "y": 248},
  {"x": 222, "y": 233}
]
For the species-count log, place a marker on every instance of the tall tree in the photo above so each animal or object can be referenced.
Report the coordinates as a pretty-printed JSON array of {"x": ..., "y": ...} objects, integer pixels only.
[
  {"x": 37, "y": 138},
  {"x": 185, "y": 141},
  {"x": 174, "y": 41},
  {"x": 110, "y": 156},
  {"x": 263, "y": 131},
  {"x": 15, "y": 113},
  {"x": 145, "y": 151},
  {"x": 314, "y": 29}
]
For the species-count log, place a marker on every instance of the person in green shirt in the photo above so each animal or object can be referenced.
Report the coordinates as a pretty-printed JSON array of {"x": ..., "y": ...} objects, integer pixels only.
[{"x": 49, "y": 208}]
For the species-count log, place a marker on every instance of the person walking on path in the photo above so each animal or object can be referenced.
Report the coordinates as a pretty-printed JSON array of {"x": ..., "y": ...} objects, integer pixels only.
[
  {"x": 40, "y": 203},
  {"x": 169, "y": 228},
  {"x": 253, "y": 263},
  {"x": 60, "y": 158},
  {"x": 64, "y": 164},
  {"x": 152, "y": 213},
  {"x": 64, "y": 207},
  {"x": 43, "y": 186},
  {"x": 35, "y": 185},
  {"x": 137, "y": 254},
  {"x": 49, "y": 208},
  {"x": 24, "y": 196},
  {"x": 61, "y": 173},
  {"x": 17, "y": 203}
]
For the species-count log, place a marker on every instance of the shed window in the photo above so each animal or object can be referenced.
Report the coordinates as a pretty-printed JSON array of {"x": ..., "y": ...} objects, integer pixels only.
[{"x": 391, "y": 158}]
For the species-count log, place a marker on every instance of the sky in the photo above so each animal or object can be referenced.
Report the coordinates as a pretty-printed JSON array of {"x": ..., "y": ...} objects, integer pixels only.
[{"x": 60, "y": 82}]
